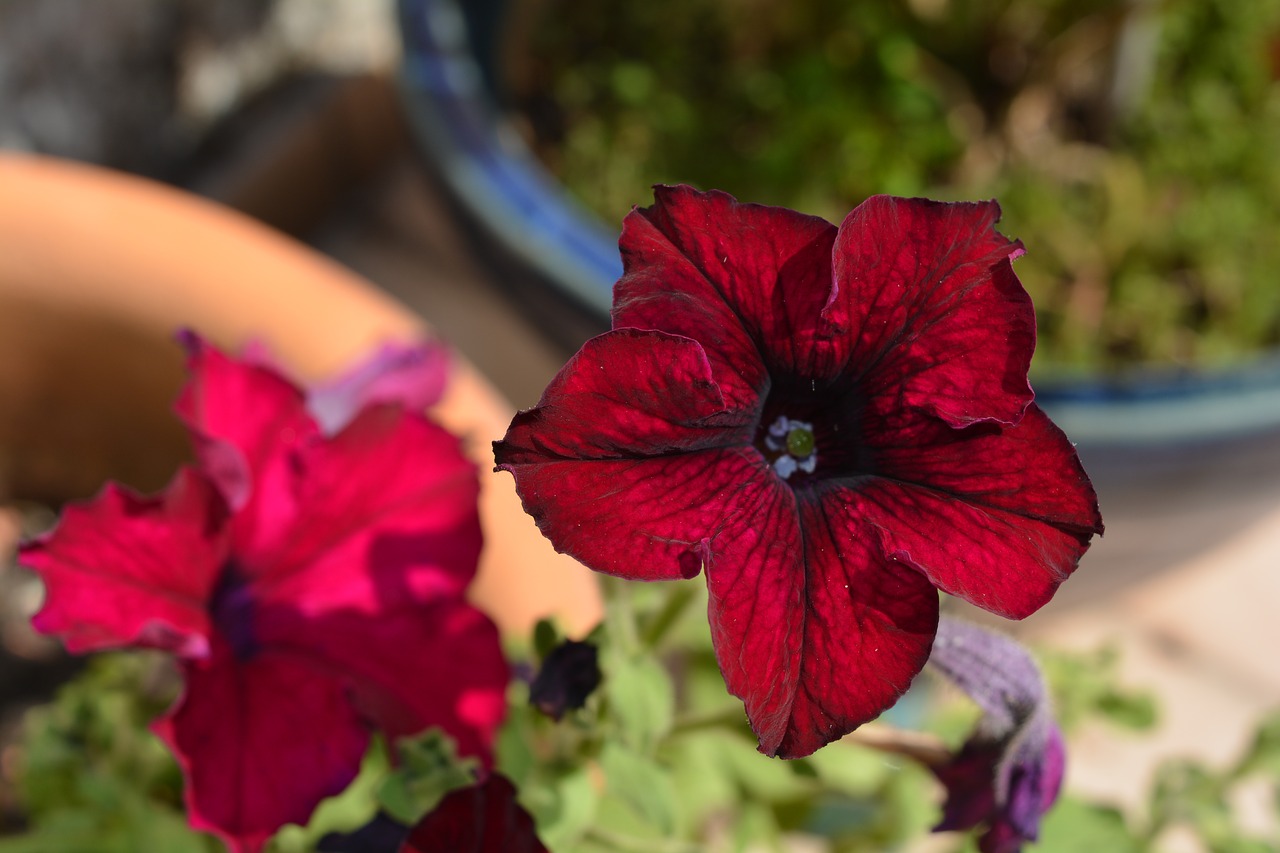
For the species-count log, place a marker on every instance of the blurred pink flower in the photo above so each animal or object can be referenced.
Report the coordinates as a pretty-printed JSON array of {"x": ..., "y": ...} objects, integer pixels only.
[{"x": 310, "y": 584}]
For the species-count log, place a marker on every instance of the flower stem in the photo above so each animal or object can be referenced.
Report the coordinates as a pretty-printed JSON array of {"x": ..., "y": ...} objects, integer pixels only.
[
  {"x": 928, "y": 749},
  {"x": 733, "y": 719},
  {"x": 626, "y": 843},
  {"x": 672, "y": 609},
  {"x": 621, "y": 615}
]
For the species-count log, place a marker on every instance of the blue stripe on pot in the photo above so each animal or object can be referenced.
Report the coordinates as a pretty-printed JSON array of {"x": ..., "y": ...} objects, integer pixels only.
[
  {"x": 1146, "y": 407},
  {"x": 489, "y": 168}
]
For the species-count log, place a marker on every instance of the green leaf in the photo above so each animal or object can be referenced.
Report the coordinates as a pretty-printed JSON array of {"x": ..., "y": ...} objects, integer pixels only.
[
  {"x": 642, "y": 784},
  {"x": 640, "y": 696},
  {"x": 850, "y": 769},
  {"x": 1086, "y": 684},
  {"x": 429, "y": 768},
  {"x": 756, "y": 830},
  {"x": 563, "y": 808},
  {"x": 701, "y": 781},
  {"x": 769, "y": 779},
  {"x": 1263, "y": 754},
  {"x": 1185, "y": 792},
  {"x": 1073, "y": 825},
  {"x": 545, "y": 637},
  {"x": 346, "y": 812}
]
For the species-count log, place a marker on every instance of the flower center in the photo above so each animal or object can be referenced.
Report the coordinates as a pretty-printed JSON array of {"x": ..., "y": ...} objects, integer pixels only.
[
  {"x": 790, "y": 447},
  {"x": 232, "y": 609}
]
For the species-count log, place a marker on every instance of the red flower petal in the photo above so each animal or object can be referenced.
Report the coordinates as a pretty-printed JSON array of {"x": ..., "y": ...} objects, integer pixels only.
[
  {"x": 484, "y": 818},
  {"x": 611, "y": 471},
  {"x": 731, "y": 276},
  {"x": 385, "y": 510},
  {"x": 668, "y": 404},
  {"x": 242, "y": 416},
  {"x": 411, "y": 667},
  {"x": 129, "y": 570},
  {"x": 645, "y": 519},
  {"x": 931, "y": 310},
  {"x": 813, "y": 629},
  {"x": 261, "y": 742},
  {"x": 997, "y": 516}
]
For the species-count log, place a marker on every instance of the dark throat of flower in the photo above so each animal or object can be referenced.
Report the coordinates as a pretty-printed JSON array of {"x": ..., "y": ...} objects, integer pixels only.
[
  {"x": 232, "y": 610},
  {"x": 809, "y": 432}
]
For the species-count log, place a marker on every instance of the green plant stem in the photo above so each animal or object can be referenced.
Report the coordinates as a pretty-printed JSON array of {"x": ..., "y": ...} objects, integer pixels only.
[
  {"x": 674, "y": 607},
  {"x": 731, "y": 719},
  {"x": 928, "y": 749},
  {"x": 627, "y": 844},
  {"x": 621, "y": 615}
]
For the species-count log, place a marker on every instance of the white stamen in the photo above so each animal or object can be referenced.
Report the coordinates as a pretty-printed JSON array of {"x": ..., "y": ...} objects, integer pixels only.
[
  {"x": 785, "y": 466},
  {"x": 776, "y": 440}
]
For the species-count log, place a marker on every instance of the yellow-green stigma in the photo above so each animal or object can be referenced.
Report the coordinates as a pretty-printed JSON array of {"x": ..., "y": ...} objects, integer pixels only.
[
  {"x": 789, "y": 447},
  {"x": 800, "y": 442}
]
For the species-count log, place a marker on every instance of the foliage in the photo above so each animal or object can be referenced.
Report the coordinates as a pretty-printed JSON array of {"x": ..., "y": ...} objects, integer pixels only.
[
  {"x": 680, "y": 775},
  {"x": 93, "y": 777},
  {"x": 1130, "y": 144}
]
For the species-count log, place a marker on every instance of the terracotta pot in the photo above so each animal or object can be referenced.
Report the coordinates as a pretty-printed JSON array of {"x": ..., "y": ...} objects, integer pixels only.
[{"x": 97, "y": 271}]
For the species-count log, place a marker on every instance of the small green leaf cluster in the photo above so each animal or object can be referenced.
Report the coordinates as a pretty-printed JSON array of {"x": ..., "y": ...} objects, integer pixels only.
[
  {"x": 92, "y": 776},
  {"x": 661, "y": 758},
  {"x": 1187, "y": 797},
  {"x": 1087, "y": 685}
]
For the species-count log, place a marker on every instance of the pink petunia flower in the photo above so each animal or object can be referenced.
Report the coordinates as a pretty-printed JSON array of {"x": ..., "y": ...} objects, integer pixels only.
[
  {"x": 832, "y": 423},
  {"x": 311, "y": 586}
]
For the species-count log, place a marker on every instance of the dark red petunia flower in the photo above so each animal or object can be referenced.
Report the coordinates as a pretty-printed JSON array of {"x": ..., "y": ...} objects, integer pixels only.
[
  {"x": 832, "y": 423},
  {"x": 484, "y": 818},
  {"x": 311, "y": 586}
]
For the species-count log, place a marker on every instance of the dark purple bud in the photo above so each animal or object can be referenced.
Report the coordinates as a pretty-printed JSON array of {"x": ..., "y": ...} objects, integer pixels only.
[
  {"x": 383, "y": 834},
  {"x": 1009, "y": 771},
  {"x": 570, "y": 673}
]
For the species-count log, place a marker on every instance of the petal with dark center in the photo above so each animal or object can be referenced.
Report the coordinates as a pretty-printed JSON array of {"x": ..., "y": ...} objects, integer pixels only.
[
  {"x": 815, "y": 639},
  {"x": 931, "y": 311},
  {"x": 261, "y": 742},
  {"x": 383, "y": 511},
  {"x": 746, "y": 281},
  {"x": 124, "y": 569},
  {"x": 409, "y": 667},
  {"x": 626, "y": 394},
  {"x": 997, "y": 516},
  {"x": 628, "y": 461},
  {"x": 644, "y": 519},
  {"x": 483, "y": 818}
]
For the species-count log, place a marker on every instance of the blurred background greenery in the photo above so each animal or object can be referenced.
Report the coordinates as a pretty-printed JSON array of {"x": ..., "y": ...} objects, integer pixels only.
[{"x": 1132, "y": 144}]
